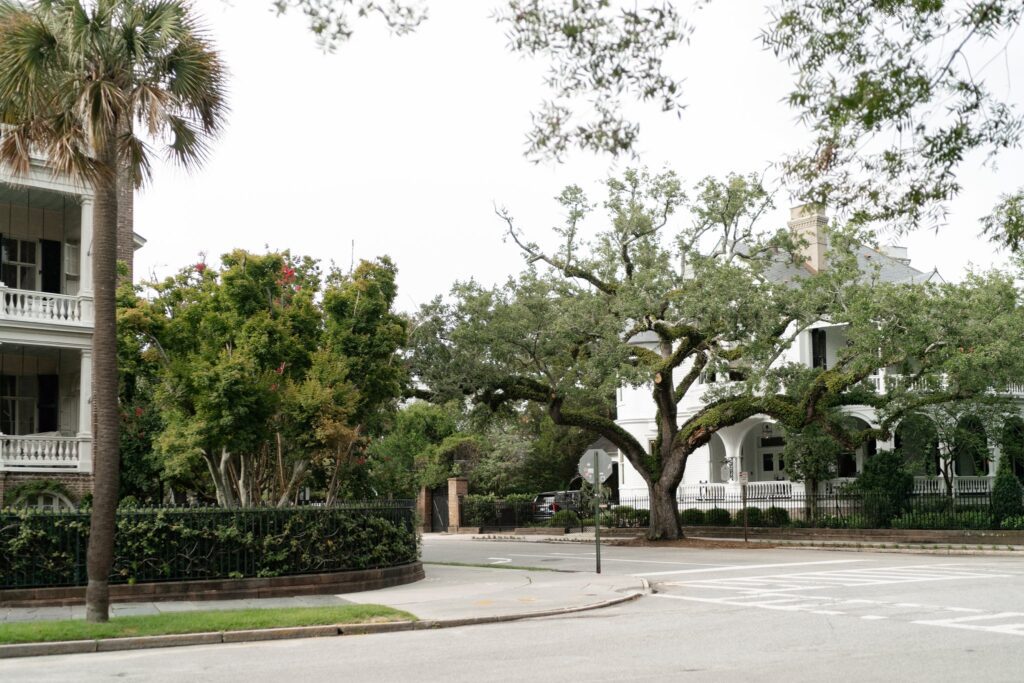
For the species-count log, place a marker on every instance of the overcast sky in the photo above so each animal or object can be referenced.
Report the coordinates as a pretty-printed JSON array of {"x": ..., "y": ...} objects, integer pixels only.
[{"x": 403, "y": 146}]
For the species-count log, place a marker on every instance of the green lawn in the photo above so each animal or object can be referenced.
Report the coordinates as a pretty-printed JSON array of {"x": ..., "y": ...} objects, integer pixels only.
[{"x": 198, "y": 622}]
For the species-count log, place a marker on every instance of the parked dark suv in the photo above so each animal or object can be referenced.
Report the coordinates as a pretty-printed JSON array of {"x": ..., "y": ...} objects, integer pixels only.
[{"x": 546, "y": 504}]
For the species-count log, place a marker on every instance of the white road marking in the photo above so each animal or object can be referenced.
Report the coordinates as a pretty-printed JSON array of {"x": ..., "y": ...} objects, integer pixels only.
[
  {"x": 590, "y": 556},
  {"x": 743, "y": 567},
  {"x": 500, "y": 560}
]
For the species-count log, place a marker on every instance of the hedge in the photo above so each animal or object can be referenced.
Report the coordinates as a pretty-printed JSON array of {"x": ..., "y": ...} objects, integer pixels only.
[{"x": 39, "y": 549}]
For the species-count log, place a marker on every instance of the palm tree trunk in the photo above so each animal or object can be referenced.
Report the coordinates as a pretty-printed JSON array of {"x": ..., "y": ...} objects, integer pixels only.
[{"x": 106, "y": 458}]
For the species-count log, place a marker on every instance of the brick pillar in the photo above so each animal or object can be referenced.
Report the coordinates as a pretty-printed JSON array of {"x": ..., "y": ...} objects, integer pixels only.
[
  {"x": 457, "y": 487},
  {"x": 423, "y": 504}
]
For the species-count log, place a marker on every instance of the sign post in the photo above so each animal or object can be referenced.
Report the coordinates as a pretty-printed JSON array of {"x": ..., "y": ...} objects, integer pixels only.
[
  {"x": 595, "y": 466},
  {"x": 744, "y": 477}
]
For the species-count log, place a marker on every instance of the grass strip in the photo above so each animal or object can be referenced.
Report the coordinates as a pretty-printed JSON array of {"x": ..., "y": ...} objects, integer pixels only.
[{"x": 197, "y": 622}]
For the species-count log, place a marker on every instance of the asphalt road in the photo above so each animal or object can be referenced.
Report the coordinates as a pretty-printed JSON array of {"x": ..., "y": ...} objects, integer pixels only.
[{"x": 718, "y": 615}]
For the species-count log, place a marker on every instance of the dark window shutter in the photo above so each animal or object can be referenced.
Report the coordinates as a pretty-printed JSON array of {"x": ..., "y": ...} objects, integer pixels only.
[
  {"x": 49, "y": 400},
  {"x": 50, "y": 266}
]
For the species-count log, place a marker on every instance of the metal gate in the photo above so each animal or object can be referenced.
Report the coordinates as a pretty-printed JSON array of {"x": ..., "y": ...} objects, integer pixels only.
[{"x": 439, "y": 509}]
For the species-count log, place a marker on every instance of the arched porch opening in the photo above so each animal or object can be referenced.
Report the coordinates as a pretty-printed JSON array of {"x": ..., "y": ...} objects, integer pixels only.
[
  {"x": 917, "y": 440},
  {"x": 851, "y": 462},
  {"x": 970, "y": 448},
  {"x": 762, "y": 452},
  {"x": 1013, "y": 445},
  {"x": 718, "y": 461}
]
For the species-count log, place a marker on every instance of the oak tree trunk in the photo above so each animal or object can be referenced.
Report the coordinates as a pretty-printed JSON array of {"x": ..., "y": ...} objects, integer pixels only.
[
  {"x": 664, "y": 516},
  {"x": 106, "y": 458}
]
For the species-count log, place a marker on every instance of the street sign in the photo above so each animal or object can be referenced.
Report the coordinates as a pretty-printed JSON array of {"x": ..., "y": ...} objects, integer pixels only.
[
  {"x": 744, "y": 477},
  {"x": 586, "y": 465}
]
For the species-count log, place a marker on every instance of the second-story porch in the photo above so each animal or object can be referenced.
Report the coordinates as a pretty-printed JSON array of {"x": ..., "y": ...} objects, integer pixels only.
[{"x": 45, "y": 271}]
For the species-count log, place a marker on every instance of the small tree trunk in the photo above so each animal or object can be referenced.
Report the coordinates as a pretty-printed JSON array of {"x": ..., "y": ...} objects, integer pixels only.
[
  {"x": 811, "y": 500},
  {"x": 106, "y": 439},
  {"x": 226, "y": 477},
  {"x": 664, "y": 516}
]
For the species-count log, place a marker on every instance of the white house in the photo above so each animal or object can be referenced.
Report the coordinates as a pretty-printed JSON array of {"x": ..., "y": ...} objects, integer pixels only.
[
  {"x": 46, "y": 326},
  {"x": 755, "y": 446}
]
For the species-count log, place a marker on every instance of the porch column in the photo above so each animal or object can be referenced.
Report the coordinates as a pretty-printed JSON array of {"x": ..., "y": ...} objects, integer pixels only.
[
  {"x": 85, "y": 412},
  {"x": 732, "y": 440},
  {"x": 85, "y": 251}
]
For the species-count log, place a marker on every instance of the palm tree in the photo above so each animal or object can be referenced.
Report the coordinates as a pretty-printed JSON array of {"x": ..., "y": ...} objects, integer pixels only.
[{"x": 96, "y": 86}]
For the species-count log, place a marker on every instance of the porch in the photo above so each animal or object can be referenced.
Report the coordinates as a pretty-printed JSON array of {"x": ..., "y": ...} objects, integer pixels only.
[
  {"x": 45, "y": 409},
  {"x": 45, "y": 273}
]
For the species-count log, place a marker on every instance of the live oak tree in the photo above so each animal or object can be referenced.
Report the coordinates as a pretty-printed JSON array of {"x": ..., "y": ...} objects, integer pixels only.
[
  {"x": 95, "y": 86},
  {"x": 644, "y": 304},
  {"x": 899, "y": 96}
]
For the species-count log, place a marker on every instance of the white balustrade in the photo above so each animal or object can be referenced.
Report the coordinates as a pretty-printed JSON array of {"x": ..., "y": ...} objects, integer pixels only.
[
  {"x": 759, "y": 490},
  {"x": 702, "y": 491},
  {"x": 929, "y": 486},
  {"x": 969, "y": 485},
  {"x": 40, "y": 452},
  {"x": 20, "y": 304}
]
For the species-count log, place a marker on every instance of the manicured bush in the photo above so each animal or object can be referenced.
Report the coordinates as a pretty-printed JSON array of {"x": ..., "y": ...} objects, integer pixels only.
[
  {"x": 1006, "y": 492},
  {"x": 565, "y": 519},
  {"x": 717, "y": 517},
  {"x": 691, "y": 517},
  {"x": 775, "y": 516},
  {"x": 967, "y": 519},
  {"x": 1013, "y": 523},
  {"x": 885, "y": 487},
  {"x": 480, "y": 510},
  {"x": 607, "y": 520},
  {"x": 753, "y": 517},
  {"x": 630, "y": 518},
  {"x": 48, "y": 549}
]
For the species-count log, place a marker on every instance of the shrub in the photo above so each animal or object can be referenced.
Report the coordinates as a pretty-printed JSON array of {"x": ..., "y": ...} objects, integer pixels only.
[
  {"x": 1013, "y": 523},
  {"x": 1006, "y": 492},
  {"x": 691, "y": 517},
  {"x": 717, "y": 517},
  {"x": 753, "y": 517},
  {"x": 48, "y": 549},
  {"x": 968, "y": 519},
  {"x": 628, "y": 517},
  {"x": 606, "y": 520},
  {"x": 775, "y": 516},
  {"x": 480, "y": 510},
  {"x": 886, "y": 486},
  {"x": 565, "y": 519}
]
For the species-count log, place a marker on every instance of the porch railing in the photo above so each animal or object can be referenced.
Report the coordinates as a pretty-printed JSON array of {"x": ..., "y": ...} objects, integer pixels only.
[
  {"x": 21, "y": 304},
  {"x": 40, "y": 452}
]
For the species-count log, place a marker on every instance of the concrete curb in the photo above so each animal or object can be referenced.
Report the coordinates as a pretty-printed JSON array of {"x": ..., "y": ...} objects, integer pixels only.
[{"x": 255, "y": 635}]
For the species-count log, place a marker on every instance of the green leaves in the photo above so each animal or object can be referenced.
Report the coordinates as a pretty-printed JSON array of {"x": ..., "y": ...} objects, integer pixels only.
[{"x": 898, "y": 96}]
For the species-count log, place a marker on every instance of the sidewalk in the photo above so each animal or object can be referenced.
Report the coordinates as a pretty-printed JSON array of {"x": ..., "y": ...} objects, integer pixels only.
[{"x": 448, "y": 593}]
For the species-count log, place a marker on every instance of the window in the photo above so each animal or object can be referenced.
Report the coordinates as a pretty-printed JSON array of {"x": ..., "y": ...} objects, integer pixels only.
[
  {"x": 819, "y": 358},
  {"x": 19, "y": 263},
  {"x": 768, "y": 462},
  {"x": 17, "y": 406}
]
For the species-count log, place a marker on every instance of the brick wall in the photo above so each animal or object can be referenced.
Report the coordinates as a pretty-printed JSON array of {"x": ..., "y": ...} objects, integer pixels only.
[{"x": 77, "y": 484}]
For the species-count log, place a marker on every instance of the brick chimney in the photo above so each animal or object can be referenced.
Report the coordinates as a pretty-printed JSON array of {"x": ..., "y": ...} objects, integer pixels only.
[{"x": 807, "y": 222}]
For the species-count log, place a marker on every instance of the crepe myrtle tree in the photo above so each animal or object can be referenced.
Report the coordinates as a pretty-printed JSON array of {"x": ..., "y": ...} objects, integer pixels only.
[{"x": 646, "y": 304}]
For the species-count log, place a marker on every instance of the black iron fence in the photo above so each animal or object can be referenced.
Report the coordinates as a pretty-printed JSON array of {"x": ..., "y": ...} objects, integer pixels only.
[
  {"x": 835, "y": 510},
  {"x": 40, "y": 549},
  {"x": 831, "y": 510}
]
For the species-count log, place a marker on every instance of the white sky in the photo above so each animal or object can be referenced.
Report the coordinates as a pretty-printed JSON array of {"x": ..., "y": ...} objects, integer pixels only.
[{"x": 404, "y": 145}]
